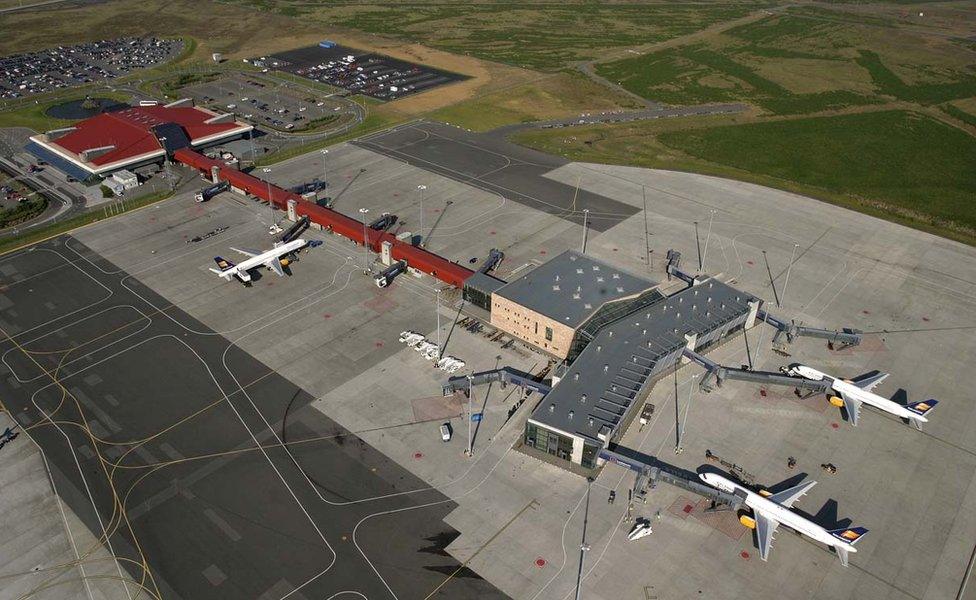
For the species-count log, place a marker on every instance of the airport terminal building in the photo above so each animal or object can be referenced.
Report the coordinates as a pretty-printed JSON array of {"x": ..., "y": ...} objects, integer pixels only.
[
  {"x": 616, "y": 333},
  {"x": 132, "y": 137}
]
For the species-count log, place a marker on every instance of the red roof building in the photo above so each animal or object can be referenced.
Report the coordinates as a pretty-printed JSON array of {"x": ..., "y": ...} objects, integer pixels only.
[{"x": 126, "y": 138}]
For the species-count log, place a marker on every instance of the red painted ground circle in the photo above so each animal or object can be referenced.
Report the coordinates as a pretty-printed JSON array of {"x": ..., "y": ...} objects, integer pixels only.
[
  {"x": 542, "y": 251},
  {"x": 744, "y": 555},
  {"x": 835, "y": 425},
  {"x": 540, "y": 562},
  {"x": 418, "y": 455},
  {"x": 379, "y": 344}
]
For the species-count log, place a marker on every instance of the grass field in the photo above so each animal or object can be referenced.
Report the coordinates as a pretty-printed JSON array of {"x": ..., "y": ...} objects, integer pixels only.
[
  {"x": 898, "y": 165},
  {"x": 543, "y": 36},
  {"x": 804, "y": 61},
  {"x": 555, "y": 96},
  {"x": 34, "y": 115}
]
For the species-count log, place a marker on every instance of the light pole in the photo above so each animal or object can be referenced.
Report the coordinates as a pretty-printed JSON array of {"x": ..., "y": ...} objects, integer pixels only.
[
  {"x": 470, "y": 393},
  {"x": 363, "y": 212},
  {"x": 707, "y": 237},
  {"x": 788, "y": 269},
  {"x": 586, "y": 214},
  {"x": 583, "y": 547},
  {"x": 440, "y": 351},
  {"x": 325, "y": 174},
  {"x": 267, "y": 172},
  {"x": 421, "y": 188}
]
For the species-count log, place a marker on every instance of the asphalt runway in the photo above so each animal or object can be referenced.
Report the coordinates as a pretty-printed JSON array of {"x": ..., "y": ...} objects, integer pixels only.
[
  {"x": 206, "y": 473},
  {"x": 493, "y": 164}
]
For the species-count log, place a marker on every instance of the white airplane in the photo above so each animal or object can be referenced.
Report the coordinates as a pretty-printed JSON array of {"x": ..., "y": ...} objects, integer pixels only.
[
  {"x": 641, "y": 529},
  {"x": 773, "y": 510},
  {"x": 851, "y": 394},
  {"x": 273, "y": 259}
]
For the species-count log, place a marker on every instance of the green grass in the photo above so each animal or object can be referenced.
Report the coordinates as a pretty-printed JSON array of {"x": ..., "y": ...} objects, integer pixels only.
[
  {"x": 929, "y": 93},
  {"x": 960, "y": 114},
  {"x": 723, "y": 69},
  {"x": 674, "y": 76},
  {"x": 902, "y": 159},
  {"x": 34, "y": 116},
  {"x": 896, "y": 165},
  {"x": 544, "y": 36},
  {"x": 24, "y": 211}
]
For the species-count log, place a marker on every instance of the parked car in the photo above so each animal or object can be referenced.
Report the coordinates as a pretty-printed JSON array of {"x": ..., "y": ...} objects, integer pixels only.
[{"x": 446, "y": 432}]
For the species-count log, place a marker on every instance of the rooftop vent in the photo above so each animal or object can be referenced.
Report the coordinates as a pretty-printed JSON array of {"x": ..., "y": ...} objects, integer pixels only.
[
  {"x": 575, "y": 376},
  {"x": 590, "y": 421},
  {"x": 606, "y": 368},
  {"x": 599, "y": 347},
  {"x": 552, "y": 408},
  {"x": 596, "y": 267},
  {"x": 710, "y": 283},
  {"x": 583, "y": 399},
  {"x": 599, "y": 279},
  {"x": 620, "y": 290},
  {"x": 570, "y": 415},
  {"x": 616, "y": 275},
  {"x": 555, "y": 288},
  {"x": 579, "y": 271}
]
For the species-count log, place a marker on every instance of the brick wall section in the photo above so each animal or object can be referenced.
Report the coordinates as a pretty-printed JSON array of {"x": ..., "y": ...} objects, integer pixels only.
[{"x": 530, "y": 326}]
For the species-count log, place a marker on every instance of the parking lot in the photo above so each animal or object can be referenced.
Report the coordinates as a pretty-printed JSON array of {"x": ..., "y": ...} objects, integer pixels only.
[
  {"x": 270, "y": 103},
  {"x": 70, "y": 66},
  {"x": 373, "y": 75}
]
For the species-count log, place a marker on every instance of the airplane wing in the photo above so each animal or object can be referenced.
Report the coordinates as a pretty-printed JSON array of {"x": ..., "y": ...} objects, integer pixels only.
[
  {"x": 853, "y": 406},
  {"x": 275, "y": 265},
  {"x": 245, "y": 252},
  {"x": 765, "y": 528},
  {"x": 788, "y": 497},
  {"x": 869, "y": 383}
]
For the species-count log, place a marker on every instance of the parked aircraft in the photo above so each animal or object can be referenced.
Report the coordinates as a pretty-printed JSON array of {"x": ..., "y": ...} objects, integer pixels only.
[
  {"x": 851, "y": 394},
  {"x": 773, "y": 510},
  {"x": 274, "y": 259}
]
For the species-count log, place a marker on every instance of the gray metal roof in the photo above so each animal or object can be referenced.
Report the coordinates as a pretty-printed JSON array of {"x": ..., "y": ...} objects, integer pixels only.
[
  {"x": 600, "y": 386},
  {"x": 572, "y": 286},
  {"x": 483, "y": 282}
]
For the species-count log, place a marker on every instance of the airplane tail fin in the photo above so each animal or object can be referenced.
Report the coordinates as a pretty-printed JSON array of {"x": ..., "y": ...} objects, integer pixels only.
[
  {"x": 848, "y": 535},
  {"x": 922, "y": 408}
]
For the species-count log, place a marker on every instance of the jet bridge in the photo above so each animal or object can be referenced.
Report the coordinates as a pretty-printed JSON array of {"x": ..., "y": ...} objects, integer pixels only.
[
  {"x": 494, "y": 259},
  {"x": 505, "y": 375},
  {"x": 295, "y": 230},
  {"x": 650, "y": 469},
  {"x": 717, "y": 375},
  {"x": 791, "y": 331}
]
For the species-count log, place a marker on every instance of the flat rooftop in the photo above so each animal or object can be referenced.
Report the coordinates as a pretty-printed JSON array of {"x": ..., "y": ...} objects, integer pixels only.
[
  {"x": 603, "y": 382},
  {"x": 572, "y": 286}
]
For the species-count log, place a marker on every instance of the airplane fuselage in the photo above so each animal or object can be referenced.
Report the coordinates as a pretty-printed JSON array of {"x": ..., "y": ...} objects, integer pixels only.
[
  {"x": 842, "y": 387},
  {"x": 777, "y": 512},
  {"x": 241, "y": 269}
]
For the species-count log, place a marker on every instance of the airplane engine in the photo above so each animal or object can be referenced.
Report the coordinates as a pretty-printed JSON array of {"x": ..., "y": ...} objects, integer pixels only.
[
  {"x": 765, "y": 493},
  {"x": 285, "y": 262},
  {"x": 836, "y": 401},
  {"x": 747, "y": 521}
]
